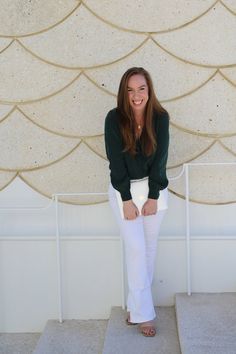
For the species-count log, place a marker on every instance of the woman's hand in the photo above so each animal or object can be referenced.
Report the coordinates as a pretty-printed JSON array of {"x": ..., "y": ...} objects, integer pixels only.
[
  {"x": 149, "y": 207},
  {"x": 130, "y": 210}
]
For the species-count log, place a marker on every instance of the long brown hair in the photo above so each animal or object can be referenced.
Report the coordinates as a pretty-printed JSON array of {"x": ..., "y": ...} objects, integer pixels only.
[{"x": 148, "y": 138}]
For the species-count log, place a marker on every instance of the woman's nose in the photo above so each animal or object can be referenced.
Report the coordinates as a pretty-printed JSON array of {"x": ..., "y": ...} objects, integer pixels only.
[{"x": 136, "y": 94}]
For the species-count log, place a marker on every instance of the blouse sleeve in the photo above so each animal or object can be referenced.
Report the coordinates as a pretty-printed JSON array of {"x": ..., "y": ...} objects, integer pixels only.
[
  {"x": 113, "y": 142},
  {"x": 157, "y": 175}
]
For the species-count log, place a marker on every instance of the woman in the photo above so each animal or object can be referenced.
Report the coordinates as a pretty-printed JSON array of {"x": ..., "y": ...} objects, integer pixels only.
[{"x": 137, "y": 139}]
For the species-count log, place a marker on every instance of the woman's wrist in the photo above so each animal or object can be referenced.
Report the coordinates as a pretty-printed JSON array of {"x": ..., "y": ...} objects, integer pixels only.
[{"x": 126, "y": 202}]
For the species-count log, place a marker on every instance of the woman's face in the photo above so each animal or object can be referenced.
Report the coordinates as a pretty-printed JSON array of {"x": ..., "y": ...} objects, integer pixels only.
[{"x": 138, "y": 93}]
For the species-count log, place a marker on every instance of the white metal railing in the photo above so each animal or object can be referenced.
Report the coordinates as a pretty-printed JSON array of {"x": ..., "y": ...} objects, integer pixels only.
[{"x": 185, "y": 169}]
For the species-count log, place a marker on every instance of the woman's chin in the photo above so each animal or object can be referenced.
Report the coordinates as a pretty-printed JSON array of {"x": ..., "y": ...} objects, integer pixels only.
[{"x": 138, "y": 108}]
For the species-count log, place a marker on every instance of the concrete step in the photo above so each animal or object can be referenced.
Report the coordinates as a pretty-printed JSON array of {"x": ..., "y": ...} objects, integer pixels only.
[
  {"x": 123, "y": 339},
  {"x": 207, "y": 323},
  {"x": 72, "y": 337}
]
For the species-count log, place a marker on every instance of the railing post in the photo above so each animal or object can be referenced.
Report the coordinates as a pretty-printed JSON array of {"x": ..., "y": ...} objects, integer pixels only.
[
  {"x": 59, "y": 268},
  {"x": 122, "y": 273},
  {"x": 188, "y": 251}
]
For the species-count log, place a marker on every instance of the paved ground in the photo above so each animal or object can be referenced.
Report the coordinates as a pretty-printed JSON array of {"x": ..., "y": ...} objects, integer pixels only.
[{"x": 18, "y": 343}]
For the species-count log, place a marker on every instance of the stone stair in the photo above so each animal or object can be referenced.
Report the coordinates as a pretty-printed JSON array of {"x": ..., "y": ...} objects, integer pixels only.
[
  {"x": 198, "y": 324},
  {"x": 114, "y": 337},
  {"x": 123, "y": 339},
  {"x": 72, "y": 337},
  {"x": 207, "y": 323}
]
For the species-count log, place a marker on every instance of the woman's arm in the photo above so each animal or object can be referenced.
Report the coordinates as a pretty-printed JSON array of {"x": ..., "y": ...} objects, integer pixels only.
[
  {"x": 119, "y": 176},
  {"x": 114, "y": 147}
]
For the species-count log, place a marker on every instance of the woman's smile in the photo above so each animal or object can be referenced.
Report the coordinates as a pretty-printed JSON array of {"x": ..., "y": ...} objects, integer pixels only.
[{"x": 137, "y": 103}]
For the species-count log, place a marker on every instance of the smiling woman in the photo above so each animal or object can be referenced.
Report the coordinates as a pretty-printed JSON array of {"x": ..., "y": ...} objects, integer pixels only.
[{"x": 137, "y": 139}]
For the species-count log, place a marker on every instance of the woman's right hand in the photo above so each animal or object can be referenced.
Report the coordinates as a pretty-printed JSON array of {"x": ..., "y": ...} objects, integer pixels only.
[{"x": 130, "y": 210}]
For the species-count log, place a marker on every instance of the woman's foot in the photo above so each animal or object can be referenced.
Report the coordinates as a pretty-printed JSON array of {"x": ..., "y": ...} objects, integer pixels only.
[{"x": 147, "y": 329}]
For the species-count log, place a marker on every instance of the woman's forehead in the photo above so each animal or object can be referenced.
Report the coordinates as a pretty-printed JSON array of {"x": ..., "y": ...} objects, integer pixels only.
[{"x": 137, "y": 80}]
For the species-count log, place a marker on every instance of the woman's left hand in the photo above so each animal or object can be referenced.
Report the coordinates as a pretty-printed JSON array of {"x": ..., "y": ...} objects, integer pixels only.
[{"x": 149, "y": 207}]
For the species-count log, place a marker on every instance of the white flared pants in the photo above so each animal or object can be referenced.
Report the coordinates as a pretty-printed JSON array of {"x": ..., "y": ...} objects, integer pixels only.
[{"x": 140, "y": 243}]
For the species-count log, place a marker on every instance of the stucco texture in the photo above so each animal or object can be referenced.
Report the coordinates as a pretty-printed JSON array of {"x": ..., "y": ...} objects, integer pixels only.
[{"x": 60, "y": 67}]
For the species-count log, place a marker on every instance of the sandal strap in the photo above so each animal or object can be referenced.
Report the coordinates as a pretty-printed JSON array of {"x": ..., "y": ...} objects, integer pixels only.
[{"x": 148, "y": 330}]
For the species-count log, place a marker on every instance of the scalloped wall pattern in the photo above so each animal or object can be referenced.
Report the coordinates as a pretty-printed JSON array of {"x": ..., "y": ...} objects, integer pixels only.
[{"x": 60, "y": 66}]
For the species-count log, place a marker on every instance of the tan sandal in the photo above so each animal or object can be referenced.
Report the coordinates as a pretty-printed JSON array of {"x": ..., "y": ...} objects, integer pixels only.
[{"x": 147, "y": 329}]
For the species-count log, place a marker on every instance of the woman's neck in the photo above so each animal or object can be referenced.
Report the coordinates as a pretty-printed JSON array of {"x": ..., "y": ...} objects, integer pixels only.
[
  {"x": 139, "y": 123},
  {"x": 139, "y": 117}
]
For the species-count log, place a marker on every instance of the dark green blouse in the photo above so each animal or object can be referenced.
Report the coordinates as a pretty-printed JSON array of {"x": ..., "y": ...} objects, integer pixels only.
[{"x": 125, "y": 167}]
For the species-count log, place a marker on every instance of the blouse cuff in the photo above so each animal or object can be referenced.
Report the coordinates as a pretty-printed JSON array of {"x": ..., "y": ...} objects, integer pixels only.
[
  {"x": 125, "y": 196},
  {"x": 153, "y": 194}
]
